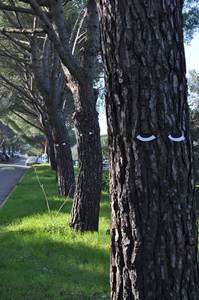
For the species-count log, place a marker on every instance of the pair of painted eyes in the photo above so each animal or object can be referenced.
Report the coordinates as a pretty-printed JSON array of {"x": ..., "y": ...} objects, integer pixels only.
[
  {"x": 174, "y": 138},
  {"x": 90, "y": 133}
]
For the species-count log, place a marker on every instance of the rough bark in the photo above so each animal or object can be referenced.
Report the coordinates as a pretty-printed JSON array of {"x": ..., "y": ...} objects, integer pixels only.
[
  {"x": 63, "y": 155},
  {"x": 51, "y": 155},
  {"x": 43, "y": 118},
  {"x": 51, "y": 147},
  {"x": 85, "y": 211},
  {"x": 9, "y": 149},
  {"x": 4, "y": 148},
  {"x": 50, "y": 81},
  {"x": 153, "y": 232},
  {"x": 13, "y": 150}
]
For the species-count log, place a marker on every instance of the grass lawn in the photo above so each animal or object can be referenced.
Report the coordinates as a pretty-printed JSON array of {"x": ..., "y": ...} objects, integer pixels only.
[{"x": 40, "y": 256}]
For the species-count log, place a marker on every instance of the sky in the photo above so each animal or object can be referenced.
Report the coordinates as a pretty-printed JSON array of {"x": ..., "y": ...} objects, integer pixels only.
[
  {"x": 192, "y": 54},
  {"x": 192, "y": 61}
]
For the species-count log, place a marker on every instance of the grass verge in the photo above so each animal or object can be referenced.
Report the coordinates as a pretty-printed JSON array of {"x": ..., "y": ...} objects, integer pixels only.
[{"x": 40, "y": 256}]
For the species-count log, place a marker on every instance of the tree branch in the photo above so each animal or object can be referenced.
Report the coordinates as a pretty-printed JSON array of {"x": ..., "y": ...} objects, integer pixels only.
[
  {"x": 16, "y": 9},
  {"x": 40, "y": 2},
  {"x": 16, "y": 87},
  {"x": 59, "y": 39},
  {"x": 28, "y": 121},
  {"x": 21, "y": 30}
]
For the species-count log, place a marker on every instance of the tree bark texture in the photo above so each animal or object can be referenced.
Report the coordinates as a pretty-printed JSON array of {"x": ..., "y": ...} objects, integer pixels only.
[
  {"x": 153, "y": 233},
  {"x": 12, "y": 150},
  {"x": 51, "y": 148},
  {"x": 51, "y": 154},
  {"x": 4, "y": 148},
  {"x": 50, "y": 80},
  {"x": 86, "y": 205},
  {"x": 85, "y": 212},
  {"x": 63, "y": 154}
]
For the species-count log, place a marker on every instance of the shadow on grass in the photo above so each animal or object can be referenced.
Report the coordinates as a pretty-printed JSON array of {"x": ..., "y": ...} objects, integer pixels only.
[
  {"x": 28, "y": 199},
  {"x": 9, "y": 214},
  {"x": 40, "y": 257},
  {"x": 40, "y": 268}
]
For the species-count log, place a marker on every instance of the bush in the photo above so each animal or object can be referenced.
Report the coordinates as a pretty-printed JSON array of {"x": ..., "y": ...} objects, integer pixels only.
[{"x": 105, "y": 181}]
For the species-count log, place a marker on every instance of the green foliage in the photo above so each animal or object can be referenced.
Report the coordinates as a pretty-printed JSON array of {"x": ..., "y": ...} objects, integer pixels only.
[
  {"x": 105, "y": 180},
  {"x": 193, "y": 81},
  {"x": 41, "y": 257},
  {"x": 197, "y": 201},
  {"x": 71, "y": 12},
  {"x": 104, "y": 145},
  {"x": 191, "y": 18},
  {"x": 194, "y": 116},
  {"x": 25, "y": 137}
]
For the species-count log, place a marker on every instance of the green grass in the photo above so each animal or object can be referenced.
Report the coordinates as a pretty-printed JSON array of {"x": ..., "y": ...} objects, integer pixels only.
[{"x": 40, "y": 256}]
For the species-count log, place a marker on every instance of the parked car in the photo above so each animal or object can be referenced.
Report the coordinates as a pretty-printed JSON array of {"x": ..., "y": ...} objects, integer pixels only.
[
  {"x": 75, "y": 163},
  {"x": 43, "y": 159},
  {"x": 4, "y": 157},
  {"x": 17, "y": 155},
  {"x": 31, "y": 160},
  {"x": 105, "y": 164},
  {"x": 7, "y": 157}
]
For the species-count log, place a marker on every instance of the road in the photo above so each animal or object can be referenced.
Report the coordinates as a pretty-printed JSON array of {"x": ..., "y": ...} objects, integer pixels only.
[{"x": 10, "y": 175}]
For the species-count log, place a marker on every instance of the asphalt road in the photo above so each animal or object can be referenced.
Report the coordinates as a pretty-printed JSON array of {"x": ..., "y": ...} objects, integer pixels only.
[{"x": 10, "y": 175}]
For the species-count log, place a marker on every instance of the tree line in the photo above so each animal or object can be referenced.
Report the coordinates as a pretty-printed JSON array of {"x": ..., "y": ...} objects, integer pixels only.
[{"x": 51, "y": 61}]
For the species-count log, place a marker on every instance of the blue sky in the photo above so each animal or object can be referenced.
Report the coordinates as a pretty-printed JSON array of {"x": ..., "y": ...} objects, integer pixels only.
[
  {"x": 192, "y": 61},
  {"x": 192, "y": 54}
]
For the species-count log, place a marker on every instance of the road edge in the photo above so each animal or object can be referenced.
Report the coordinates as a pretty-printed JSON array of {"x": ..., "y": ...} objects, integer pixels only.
[{"x": 12, "y": 190}]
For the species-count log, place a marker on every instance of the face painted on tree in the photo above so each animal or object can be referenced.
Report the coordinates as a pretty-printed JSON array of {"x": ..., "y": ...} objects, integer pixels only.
[{"x": 174, "y": 137}]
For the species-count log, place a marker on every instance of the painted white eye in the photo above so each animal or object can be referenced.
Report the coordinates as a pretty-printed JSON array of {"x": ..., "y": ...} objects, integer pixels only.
[
  {"x": 146, "y": 139},
  {"x": 177, "y": 139}
]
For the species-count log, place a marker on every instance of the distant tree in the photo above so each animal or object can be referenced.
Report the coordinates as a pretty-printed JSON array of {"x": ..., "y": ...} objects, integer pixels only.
[
  {"x": 50, "y": 81},
  {"x": 193, "y": 81},
  {"x": 78, "y": 51},
  {"x": 49, "y": 103},
  {"x": 191, "y": 18}
]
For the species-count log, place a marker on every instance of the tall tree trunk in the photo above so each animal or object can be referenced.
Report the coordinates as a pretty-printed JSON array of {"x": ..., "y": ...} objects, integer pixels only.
[
  {"x": 9, "y": 149},
  {"x": 4, "y": 148},
  {"x": 79, "y": 56},
  {"x": 50, "y": 81},
  {"x": 63, "y": 155},
  {"x": 153, "y": 233},
  {"x": 51, "y": 154},
  {"x": 51, "y": 149},
  {"x": 52, "y": 159},
  {"x": 13, "y": 150},
  {"x": 85, "y": 212},
  {"x": 48, "y": 133}
]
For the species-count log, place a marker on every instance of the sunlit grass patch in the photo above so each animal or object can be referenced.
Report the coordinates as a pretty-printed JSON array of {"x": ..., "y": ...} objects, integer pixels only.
[{"x": 41, "y": 257}]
